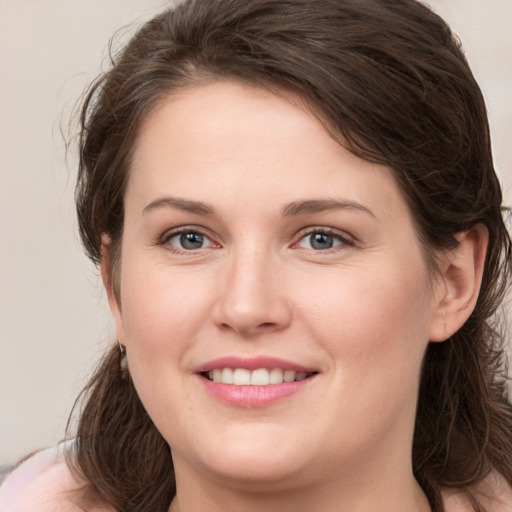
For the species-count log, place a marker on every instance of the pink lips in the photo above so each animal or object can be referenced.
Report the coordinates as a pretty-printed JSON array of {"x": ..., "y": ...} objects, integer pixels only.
[
  {"x": 252, "y": 364},
  {"x": 252, "y": 396}
]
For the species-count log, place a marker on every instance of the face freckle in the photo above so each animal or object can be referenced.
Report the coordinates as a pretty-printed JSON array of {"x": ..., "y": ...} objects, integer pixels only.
[{"x": 257, "y": 176}]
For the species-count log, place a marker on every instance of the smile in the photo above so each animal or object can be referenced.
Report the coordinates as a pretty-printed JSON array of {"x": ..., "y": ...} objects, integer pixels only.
[
  {"x": 254, "y": 382},
  {"x": 257, "y": 377}
]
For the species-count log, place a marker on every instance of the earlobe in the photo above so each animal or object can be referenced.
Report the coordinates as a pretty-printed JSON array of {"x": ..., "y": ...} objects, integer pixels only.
[
  {"x": 109, "y": 282},
  {"x": 458, "y": 283}
]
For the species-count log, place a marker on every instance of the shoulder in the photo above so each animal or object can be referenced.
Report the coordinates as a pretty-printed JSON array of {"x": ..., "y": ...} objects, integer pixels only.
[
  {"x": 493, "y": 493},
  {"x": 42, "y": 483}
]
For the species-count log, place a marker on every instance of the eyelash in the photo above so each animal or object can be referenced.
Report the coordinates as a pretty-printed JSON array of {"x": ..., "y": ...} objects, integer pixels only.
[
  {"x": 344, "y": 240},
  {"x": 185, "y": 231}
]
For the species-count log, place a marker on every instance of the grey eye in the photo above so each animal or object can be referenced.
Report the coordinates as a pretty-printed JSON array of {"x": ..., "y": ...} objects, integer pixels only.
[
  {"x": 188, "y": 241},
  {"x": 320, "y": 241}
]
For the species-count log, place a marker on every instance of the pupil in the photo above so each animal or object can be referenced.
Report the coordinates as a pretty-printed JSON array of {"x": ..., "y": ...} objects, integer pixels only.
[
  {"x": 191, "y": 240},
  {"x": 321, "y": 241}
]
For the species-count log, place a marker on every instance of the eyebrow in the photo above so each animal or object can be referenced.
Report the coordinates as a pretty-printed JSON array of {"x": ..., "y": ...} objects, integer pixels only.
[
  {"x": 186, "y": 205},
  {"x": 321, "y": 205},
  {"x": 294, "y": 209}
]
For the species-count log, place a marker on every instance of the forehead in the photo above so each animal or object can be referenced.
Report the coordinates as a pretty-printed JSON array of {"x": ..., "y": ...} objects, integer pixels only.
[
  {"x": 225, "y": 140},
  {"x": 226, "y": 118}
]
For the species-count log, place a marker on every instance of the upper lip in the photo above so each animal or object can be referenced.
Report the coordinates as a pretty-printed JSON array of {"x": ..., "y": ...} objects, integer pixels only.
[{"x": 252, "y": 364}]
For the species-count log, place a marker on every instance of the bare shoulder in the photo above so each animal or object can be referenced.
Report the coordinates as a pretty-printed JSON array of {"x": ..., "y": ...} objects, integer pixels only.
[
  {"x": 493, "y": 493},
  {"x": 42, "y": 483}
]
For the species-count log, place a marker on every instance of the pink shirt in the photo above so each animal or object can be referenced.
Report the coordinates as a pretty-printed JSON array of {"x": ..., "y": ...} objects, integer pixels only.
[{"x": 40, "y": 484}]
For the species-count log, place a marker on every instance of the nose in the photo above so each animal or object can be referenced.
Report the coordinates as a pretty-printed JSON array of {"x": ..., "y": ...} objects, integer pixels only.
[{"x": 251, "y": 296}]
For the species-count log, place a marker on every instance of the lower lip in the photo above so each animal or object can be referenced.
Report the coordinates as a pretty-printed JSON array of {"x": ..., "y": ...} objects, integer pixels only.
[{"x": 253, "y": 396}]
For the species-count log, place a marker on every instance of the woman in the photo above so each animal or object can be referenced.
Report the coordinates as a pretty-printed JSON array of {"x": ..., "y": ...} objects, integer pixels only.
[{"x": 298, "y": 224}]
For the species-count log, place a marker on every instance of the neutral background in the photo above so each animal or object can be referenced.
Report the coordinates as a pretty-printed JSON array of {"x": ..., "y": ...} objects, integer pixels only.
[{"x": 54, "y": 321}]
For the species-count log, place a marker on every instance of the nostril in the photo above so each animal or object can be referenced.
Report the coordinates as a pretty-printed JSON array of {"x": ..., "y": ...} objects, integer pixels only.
[
  {"x": 266, "y": 324},
  {"x": 249, "y": 329}
]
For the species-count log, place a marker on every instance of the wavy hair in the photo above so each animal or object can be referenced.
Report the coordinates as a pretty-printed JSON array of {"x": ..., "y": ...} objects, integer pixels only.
[{"x": 389, "y": 80}]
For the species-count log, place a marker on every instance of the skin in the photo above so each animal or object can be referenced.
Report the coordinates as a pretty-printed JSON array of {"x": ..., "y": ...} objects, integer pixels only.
[{"x": 360, "y": 313}]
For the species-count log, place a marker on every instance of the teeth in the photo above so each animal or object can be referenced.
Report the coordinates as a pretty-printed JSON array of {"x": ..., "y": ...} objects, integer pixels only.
[
  {"x": 259, "y": 377},
  {"x": 227, "y": 376},
  {"x": 242, "y": 377},
  {"x": 276, "y": 376},
  {"x": 289, "y": 376}
]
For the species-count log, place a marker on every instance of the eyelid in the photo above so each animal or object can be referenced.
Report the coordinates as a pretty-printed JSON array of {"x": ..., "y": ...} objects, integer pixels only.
[
  {"x": 346, "y": 239},
  {"x": 164, "y": 239}
]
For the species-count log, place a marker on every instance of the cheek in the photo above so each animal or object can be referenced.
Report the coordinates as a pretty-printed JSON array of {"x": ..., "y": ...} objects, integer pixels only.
[
  {"x": 162, "y": 308},
  {"x": 373, "y": 324},
  {"x": 375, "y": 331},
  {"x": 161, "y": 314}
]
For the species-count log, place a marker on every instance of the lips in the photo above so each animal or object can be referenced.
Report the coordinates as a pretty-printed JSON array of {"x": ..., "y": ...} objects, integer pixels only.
[
  {"x": 254, "y": 382},
  {"x": 253, "y": 363}
]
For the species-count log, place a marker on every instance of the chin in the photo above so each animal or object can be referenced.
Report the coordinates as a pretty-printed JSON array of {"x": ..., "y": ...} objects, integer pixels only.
[
  {"x": 261, "y": 473},
  {"x": 261, "y": 458}
]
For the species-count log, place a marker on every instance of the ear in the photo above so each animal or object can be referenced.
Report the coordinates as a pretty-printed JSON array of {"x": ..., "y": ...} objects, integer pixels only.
[
  {"x": 458, "y": 282},
  {"x": 111, "y": 287}
]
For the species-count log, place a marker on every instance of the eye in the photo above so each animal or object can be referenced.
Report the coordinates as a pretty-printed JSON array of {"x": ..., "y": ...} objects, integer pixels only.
[
  {"x": 188, "y": 240},
  {"x": 322, "y": 240}
]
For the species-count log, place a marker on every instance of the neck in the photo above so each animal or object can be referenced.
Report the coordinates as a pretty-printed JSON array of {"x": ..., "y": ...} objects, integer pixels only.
[{"x": 415, "y": 501}]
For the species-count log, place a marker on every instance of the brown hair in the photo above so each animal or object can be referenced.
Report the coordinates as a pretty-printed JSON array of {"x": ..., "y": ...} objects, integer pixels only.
[{"x": 389, "y": 79}]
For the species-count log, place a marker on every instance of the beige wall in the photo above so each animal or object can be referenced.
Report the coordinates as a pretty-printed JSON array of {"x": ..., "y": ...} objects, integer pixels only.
[{"x": 53, "y": 315}]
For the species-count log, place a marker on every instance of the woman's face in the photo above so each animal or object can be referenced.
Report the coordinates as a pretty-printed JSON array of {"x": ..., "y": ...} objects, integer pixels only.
[{"x": 256, "y": 247}]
